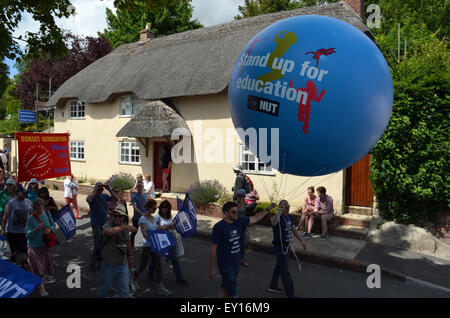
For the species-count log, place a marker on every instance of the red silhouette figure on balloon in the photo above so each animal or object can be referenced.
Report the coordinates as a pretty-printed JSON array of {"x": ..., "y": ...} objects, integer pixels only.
[
  {"x": 320, "y": 52},
  {"x": 304, "y": 111}
]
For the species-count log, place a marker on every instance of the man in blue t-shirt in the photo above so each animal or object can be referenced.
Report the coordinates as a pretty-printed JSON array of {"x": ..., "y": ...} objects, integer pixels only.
[
  {"x": 98, "y": 205},
  {"x": 226, "y": 237},
  {"x": 283, "y": 227},
  {"x": 138, "y": 201}
]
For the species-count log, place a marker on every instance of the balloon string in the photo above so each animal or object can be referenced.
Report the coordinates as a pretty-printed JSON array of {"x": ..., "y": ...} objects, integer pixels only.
[
  {"x": 297, "y": 188},
  {"x": 282, "y": 176},
  {"x": 331, "y": 175},
  {"x": 264, "y": 185}
]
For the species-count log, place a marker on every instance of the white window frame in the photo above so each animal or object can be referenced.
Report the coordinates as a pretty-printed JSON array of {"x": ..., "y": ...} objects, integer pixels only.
[
  {"x": 129, "y": 155},
  {"x": 244, "y": 151},
  {"x": 135, "y": 105},
  {"x": 78, "y": 108},
  {"x": 77, "y": 155}
]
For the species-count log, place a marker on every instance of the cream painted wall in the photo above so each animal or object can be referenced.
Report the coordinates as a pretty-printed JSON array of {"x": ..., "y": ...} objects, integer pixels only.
[
  {"x": 98, "y": 131},
  {"x": 204, "y": 113}
]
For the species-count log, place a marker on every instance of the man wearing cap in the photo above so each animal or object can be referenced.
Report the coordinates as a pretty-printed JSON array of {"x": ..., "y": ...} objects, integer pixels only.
[
  {"x": 33, "y": 189},
  {"x": 240, "y": 182},
  {"x": 14, "y": 224},
  {"x": 117, "y": 254},
  {"x": 98, "y": 205}
]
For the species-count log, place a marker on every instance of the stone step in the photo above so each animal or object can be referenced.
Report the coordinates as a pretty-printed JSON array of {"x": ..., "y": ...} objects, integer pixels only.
[
  {"x": 349, "y": 231},
  {"x": 358, "y": 210},
  {"x": 353, "y": 219}
]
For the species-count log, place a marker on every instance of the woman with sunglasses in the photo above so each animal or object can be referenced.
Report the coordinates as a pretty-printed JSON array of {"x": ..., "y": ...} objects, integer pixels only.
[{"x": 147, "y": 223}]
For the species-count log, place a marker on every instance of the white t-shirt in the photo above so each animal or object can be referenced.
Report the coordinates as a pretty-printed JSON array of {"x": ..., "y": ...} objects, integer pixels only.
[
  {"x": 148, "y": 185},
  {"x": 163, "y": 221},
  {"x": 67, "y": 188}
]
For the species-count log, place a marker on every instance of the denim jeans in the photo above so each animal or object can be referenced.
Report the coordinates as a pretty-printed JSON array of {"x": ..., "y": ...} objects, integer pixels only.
[
  {"x": 229, "y": 282},
  {"x": 96, "y": 257},
  {"x": 282, "y": 269},
  {"x": 243, "y": 241},
  {"x": 114, "y": 273}
]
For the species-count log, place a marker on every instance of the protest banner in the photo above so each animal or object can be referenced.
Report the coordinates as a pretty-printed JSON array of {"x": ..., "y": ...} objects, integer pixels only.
[{"x": 42, "y": 156}]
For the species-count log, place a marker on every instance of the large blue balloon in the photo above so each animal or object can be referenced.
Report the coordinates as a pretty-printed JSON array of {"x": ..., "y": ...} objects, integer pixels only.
[{"x": 323, "y": 83}]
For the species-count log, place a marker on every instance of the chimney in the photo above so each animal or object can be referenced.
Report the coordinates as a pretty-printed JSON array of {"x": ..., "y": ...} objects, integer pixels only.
[
  {"x": 358, "y": 6},
  {"x": 147, "y": 33}
]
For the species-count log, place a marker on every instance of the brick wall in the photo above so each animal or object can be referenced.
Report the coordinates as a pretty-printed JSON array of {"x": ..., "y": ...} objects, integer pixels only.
[{"x": 358, "y": 6}]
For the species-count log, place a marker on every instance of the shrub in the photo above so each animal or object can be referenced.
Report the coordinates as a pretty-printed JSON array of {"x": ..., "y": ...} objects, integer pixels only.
[
  {"x": 125, "y": 181},
  {"x": 82, "y": 179},
  {"x": 92, "y": 181},
  {"x": 225, "y": 197},
  {"x": 206, "y": 191},
  {"x": 54, "y": 187}
]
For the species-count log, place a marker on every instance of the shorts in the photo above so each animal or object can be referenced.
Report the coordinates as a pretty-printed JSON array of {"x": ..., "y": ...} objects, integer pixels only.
[
  {"x": 17, "y": 242},
  {"x": 229, "y": 281},
  {"x": 166, "y": 171}
]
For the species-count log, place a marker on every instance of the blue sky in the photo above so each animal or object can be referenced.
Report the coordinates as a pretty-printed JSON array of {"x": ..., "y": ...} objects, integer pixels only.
[{"x": 90, "y": 18}]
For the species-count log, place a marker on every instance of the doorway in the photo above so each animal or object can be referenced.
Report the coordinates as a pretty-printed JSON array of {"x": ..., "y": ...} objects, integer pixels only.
[{"x": 157, "y": 164}]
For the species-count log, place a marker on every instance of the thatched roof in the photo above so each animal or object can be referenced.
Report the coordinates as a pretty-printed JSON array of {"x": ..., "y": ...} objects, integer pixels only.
[
  {"x": 191, "y": 63},
  {"x": 156, "y": 119}
]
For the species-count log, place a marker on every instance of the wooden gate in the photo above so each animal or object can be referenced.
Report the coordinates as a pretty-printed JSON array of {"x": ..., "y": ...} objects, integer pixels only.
[{"x": 358, "y": 191}]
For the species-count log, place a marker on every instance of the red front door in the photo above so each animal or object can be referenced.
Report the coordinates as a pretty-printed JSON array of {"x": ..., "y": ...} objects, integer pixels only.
[{"x": 157, "y": 164}]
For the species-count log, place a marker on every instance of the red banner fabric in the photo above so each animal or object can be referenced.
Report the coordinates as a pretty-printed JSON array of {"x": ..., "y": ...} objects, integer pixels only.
[{"x": 43, "y": 156}]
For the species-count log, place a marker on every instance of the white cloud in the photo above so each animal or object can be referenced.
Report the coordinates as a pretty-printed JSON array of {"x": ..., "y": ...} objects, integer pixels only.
[
  {"x": 90, "y": 17},
  {"x": 212, "y": 12}
]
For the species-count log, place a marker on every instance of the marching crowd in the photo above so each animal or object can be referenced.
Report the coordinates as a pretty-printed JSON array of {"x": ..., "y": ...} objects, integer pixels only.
[{"x": 27, "y": 223}]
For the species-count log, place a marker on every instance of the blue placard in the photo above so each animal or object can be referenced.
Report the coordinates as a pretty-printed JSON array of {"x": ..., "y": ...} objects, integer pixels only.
[
  {"x": 66, "y": 221},
  {"x": 27, "y": 116},
  {"x": 161, "y": 242},
  {"x": 16, "y": 282},
  {"x": 185, "y": 222}
]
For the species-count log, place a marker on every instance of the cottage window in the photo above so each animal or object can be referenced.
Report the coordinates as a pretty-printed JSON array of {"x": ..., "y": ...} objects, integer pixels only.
[
  {"x": 130, "y": 152},
  {"x": 130, "y": 106},
  {"x": 77, "y": 109},
  {"x": 76, "y": 150},
  {"x": 251, "y": 164}
]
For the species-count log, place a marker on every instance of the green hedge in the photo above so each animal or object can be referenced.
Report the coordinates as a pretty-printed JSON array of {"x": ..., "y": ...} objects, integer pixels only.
[{"x": 409, "y": 167}]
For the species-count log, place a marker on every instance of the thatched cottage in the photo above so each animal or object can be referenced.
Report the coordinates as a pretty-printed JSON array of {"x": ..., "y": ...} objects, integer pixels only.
[{"x": 120, "y": 111}]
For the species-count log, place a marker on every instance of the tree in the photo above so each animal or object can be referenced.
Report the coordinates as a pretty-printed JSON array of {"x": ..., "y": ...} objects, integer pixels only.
[
  {"x": 253, "y": 8},
  {"x": 409, "y": 167},
  {"x": 431, "y": 13},
  {"x": 82, "y": 52},
  {"x": 166, "y": 17}
]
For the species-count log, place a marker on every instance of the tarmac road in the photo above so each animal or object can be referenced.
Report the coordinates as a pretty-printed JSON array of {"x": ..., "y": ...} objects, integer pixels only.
[{"x": 313, "y": 281}]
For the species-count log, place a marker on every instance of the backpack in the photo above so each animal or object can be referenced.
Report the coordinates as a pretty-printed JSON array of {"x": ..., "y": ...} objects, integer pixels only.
[{"x": 248, "y": 184}]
